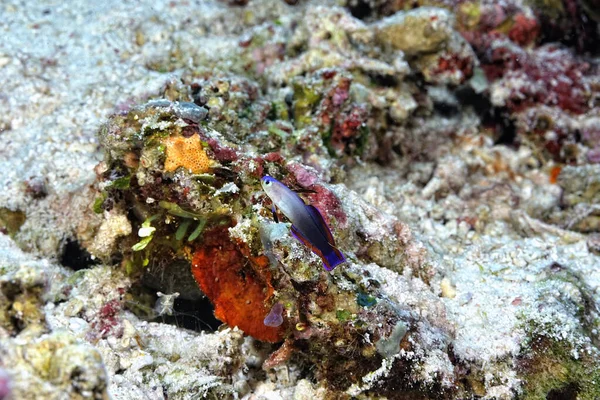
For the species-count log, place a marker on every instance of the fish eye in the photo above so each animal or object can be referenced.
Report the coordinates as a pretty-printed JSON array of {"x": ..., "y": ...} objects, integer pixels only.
[{"x": 267, "y": 182}]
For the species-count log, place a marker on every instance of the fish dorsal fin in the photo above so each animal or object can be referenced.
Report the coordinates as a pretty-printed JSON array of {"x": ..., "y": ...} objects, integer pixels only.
[
  {"x": 304, "y": 191},
  {"x": 320, "y": 223}
]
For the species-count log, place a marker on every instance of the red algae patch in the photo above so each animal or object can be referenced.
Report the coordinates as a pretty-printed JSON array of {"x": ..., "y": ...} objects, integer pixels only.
[
  {"x": 232, "y": 284},
  {"x": 322, "y": 198}
]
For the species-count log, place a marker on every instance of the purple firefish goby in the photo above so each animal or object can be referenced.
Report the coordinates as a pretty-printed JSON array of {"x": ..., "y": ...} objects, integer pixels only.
[{"x": 308, "y": 224}]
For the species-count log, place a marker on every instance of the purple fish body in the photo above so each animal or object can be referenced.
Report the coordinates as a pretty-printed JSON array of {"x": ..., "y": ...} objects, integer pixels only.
[{"x": 308, "y": 225}]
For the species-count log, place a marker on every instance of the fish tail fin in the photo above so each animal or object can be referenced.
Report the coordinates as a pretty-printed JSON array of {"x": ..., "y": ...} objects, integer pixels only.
[{"x": 333, "y": 258}]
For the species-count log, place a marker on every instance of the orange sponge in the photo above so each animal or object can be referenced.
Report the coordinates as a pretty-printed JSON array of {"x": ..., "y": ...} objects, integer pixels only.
[
  {"x": 237, "y": 286},
  {"x": 187, "y": 153}
]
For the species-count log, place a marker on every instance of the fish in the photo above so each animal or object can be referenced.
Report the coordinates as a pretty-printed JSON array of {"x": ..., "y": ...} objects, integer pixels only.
[{"x": 308, "y": 225}]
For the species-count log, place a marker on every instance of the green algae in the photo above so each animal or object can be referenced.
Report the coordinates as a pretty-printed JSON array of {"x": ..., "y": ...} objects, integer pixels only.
[
  {"x": 121, "y": 183},
  {"x": 196, "y": 232},
  {"x": 11, "y": 220},
  {"x": 469, "y": 15},
  {"x": 146, "y": 232},
  {"x": 182, "y": 230},
  {"x": 549, "y": 369},
  {"x": 326, "y": 136},
  {"x": 306, "y": 97},
  {"x": 98, "y": 204},
  {"x": 343, "y": 315},
  {"x": 176, "y": 210}
]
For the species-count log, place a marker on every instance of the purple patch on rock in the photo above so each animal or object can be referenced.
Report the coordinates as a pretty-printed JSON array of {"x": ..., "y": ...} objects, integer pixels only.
[
  {"x": 274, "y": 318},
  {"x": 4, "y": 384},
  {"x": 593, "y": 155}
]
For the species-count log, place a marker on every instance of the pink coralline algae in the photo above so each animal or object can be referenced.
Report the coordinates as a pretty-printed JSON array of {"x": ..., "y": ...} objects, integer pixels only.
[
  {"x": 4, "y": 385},
  {"x": 274, "y": 157},
  {"x": 590, "y": 136},
  {"x": 305, "y": 177},
  {"x": 345, "y": 122},
  {"x": 340, "y": 119},
  {"x": 321, "y": 197},
  {"x": 503, "y": 36},
  {"x": 525, "y": 30},
  {"x": 347, "y": 126},
  {"x": 548, "y": 75},
  {"x": 327, "y": 202},
  {"x": 107, "y": 321},
  {"x": 551, "y": 76},
  {"x": 455, "y": 62},
  {"x": 547, "y": 91},
  {"x": 499, "y": 21},
  {"x": 222, "y": 153},
  {"x": 594, "y": 156}
]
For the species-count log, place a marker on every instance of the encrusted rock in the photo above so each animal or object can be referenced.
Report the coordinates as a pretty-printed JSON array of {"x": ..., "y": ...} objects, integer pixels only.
[{"x": 423, "y": 30}]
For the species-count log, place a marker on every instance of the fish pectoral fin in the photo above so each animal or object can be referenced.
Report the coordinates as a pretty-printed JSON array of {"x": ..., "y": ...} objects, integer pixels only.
[
  {"x": 274, "y": 211},
  {"x": 318, "y": 219}
]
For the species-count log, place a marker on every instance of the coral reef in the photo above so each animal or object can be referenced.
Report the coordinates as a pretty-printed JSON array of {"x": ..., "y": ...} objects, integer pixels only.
[{"x": 452, "y": 147}]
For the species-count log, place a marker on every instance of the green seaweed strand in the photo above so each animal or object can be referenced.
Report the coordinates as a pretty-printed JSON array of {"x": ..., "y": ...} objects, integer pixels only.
[
  {"x": 182, "y": 230},
  {"x": 197, "y": 231},
  {"x": 174, "y": 209}
]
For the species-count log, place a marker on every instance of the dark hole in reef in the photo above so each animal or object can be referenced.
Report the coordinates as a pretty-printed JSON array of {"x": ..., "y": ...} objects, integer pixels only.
[
  {"x": 506, "y": 132},
  {"x": 289, "y": 98},
  {"x": 76, "y": 374},
  {"x": 196, "y": 88},
  {"x": 575, "y": 29},
  {"x": 196, "y": 315},
  {"x": 568, "y": 392},
  {"x": 360, "y": 10},
  {"x": 17, "y": 324},
  {"x": 397, "y": 148},
  {"x": 446, "y": 109},
  {"x": 556, "y": 267},
  {"x": 76, "y": 257},
  {"x": 480, "y": 103},
  {"x": 10, "y": 289},
  {"x": 36, "y": 188},
  {"x": 384, "y": 80}
]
